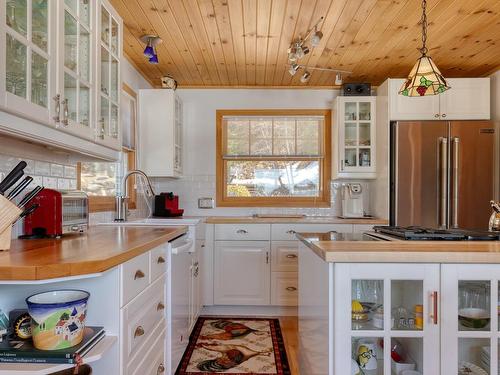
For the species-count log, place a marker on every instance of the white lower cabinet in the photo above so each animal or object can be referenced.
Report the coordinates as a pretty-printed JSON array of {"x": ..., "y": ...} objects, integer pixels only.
[
  {"x": 390, "y": 294},
  {"x": 284, "y": 289},
  {"x": 242, "y": 273}
]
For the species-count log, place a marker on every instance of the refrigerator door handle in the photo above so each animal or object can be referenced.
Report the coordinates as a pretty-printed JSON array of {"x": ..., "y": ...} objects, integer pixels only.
[
  {"x": 456, "y": 169},
  {"x": 443, "y": 168}
]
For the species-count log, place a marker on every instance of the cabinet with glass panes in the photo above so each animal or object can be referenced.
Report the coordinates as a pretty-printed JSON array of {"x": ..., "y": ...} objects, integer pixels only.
[{"x": 354, "y": 137}]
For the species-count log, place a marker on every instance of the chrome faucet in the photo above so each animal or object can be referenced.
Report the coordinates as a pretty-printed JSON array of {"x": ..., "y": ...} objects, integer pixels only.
[{"x": 121, "y": 213}]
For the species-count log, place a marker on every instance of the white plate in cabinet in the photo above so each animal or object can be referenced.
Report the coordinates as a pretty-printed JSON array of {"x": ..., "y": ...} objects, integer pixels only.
[
  {"x": 141, "y": 318},
  {"x": 153, "y": 362},
  {"x": 158, "y": 261},
  {"x": 285, "y": 256},
  {"x": 284, "y": 289},
  {"x": 134, "y": 277},
  {"x": 245, "y": 232},
  {"x": 287, "y": 232}
]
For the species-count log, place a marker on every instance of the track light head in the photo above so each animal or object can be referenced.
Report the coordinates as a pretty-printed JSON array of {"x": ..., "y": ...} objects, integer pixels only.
[
  {"x": 305, "y": 77},
  {"x": 338, "y": 79},
  {"x": 293, "y": 69},
  {"x": 316, "y": 38}
]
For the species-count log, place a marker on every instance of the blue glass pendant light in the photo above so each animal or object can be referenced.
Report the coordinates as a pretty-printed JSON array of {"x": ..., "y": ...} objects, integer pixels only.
[
  {"x": 154, "y": 59},
  {"x": 149, "y": 50}
]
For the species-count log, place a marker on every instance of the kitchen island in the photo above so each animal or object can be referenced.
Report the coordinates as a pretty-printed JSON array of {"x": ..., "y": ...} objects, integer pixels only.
[
  {"x": 127, "y": 272},
  {"x": 448, "y": 281}
]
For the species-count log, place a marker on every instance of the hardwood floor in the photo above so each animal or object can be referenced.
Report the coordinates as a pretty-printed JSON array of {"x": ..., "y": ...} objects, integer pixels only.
[{"x": 289, "y": 328}]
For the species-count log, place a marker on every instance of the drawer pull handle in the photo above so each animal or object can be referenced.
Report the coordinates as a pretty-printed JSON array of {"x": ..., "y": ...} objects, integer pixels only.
[
  {"x": 139, "y": 331},
  {"x": 160, "y": 306},
  {"x": 291, "y": 231},
  {"x": 161, "y": 369},
  {"x": 291, "y": 289},
  {"x": 241, "y": 231},
  {"x": 139, "y": 275},
  {"x": 160, "y": 260},
  {"x": 291, "y": 256}
]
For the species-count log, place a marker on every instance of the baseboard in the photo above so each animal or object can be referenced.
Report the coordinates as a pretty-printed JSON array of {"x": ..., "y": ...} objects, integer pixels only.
[{"x": 250, "y": 310}]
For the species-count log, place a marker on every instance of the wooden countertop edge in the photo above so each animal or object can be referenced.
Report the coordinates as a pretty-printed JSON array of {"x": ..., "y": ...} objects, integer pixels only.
[
  {"x": 404, "y": 252},
  {"x": 80, "y": 268},
  {"x": 304, "y": 220}
]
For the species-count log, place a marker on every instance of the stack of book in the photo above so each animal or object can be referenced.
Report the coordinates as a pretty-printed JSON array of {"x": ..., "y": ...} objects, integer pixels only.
[{"x": 17, "y": 351}]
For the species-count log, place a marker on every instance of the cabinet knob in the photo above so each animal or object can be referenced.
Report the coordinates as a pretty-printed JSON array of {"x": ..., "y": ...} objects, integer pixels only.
[
  {"x": 291, "y": 256},
  {"x": 139, "y": 331},
  {"x": 291, "y": 289},
  {"x": 139, "y": 275},
  {"x": 161, "y": 369},
  {"x": 241, "y": 231},
  {"x": 436, "y": 115},
  {"x": 160, "y": 260},
  {"x": 443, "y": 115},
  {"x": 160, "y": 306},
  {"x": 291, "y": 231}
]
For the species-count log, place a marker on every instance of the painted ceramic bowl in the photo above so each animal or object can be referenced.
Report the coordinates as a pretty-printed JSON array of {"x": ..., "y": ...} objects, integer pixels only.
[
  {"x": 474, "y": 318},
  {"x": 57, "y": 318}
]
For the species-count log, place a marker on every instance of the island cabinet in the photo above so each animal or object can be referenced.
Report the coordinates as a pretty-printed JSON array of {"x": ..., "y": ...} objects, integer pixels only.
[{"x": 434, "y": 318}]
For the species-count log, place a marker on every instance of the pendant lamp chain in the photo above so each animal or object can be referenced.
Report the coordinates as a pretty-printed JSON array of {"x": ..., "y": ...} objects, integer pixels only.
[{"x": 423, "y": 20}]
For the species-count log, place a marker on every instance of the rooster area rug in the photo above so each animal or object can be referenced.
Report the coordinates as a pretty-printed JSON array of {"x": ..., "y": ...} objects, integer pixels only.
[{"x": 237, "y": 346}]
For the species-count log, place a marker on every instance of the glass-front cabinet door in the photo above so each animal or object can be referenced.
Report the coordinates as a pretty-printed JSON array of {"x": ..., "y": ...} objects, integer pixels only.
[
  {"x": 109, "y": 89},
  {"x": 29, "y": 59},
  {"x": 470, "y": 319},
  {"x": 385, "y": 318},
  {"x": 356, "y": 140},
  {"x": 76, "y": 75}
]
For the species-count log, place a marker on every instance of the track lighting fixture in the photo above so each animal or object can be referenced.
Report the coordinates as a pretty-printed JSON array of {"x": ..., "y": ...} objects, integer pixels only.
[
  {"x": 316, "y": 37},
  {"x": 151, "y": 42},
  {"x": 298, "y": 49},
  {"x": 338, "y": 79},
  {"x": 293, "y": 69},
  {"x": 305, "y": 77}
]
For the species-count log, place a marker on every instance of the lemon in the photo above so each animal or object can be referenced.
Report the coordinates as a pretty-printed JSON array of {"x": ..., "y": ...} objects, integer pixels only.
[{"x": 356, "y": 306}]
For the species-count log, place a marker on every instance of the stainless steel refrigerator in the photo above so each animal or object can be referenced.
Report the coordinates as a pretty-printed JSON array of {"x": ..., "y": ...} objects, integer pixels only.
[{"x": 442, "y": 173}]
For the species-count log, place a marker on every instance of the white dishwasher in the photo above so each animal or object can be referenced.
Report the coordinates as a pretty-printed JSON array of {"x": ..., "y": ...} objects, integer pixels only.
[{"x": 178, "y": 288}]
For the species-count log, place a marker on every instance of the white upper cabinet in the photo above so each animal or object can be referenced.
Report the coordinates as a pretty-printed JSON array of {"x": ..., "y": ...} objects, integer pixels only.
[
  {"x": 109, "y": 52},
  {"x": 468, "y": 99},
  {"x": 161, "y": 128},
  {"x": 28, "y": 59},
  {"x": 354, "y": 137},
  {"x": 60, "y": 67}
]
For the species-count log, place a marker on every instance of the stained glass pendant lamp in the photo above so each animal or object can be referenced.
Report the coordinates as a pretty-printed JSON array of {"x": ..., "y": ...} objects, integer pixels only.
[{"x": 425, "y": 78}]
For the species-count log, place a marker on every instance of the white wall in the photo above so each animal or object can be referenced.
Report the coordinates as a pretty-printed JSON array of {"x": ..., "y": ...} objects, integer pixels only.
[
  {"x": 131, "y": 76},
  {"x": 200, "y": 106}
]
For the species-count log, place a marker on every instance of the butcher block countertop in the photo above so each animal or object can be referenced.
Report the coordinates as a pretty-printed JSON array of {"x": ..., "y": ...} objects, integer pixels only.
[
  {"x": 295, "y": 220},
  {"x": 402, "y": 251},
  {"x": 98, "y": 250}
]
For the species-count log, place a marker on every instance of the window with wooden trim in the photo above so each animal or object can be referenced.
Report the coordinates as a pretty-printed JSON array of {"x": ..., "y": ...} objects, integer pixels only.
[
  {"x": 101, "y": 180},
  {"x": 275, "y": 158}
]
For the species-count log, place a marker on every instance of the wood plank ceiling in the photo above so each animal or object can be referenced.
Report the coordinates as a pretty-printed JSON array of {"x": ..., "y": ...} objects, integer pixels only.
[{"x": 244, "y": 42}]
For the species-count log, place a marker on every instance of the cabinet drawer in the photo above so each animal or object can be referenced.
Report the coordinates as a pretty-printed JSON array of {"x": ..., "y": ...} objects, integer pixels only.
[
  {"x": 152, "y": 362},
  {"x": 247, "y": 232},
  {"x": 286, "y": 232},
  {"x": 141, "y": 317},
  {"x": 285, "y": 256},
  {"x": 158, "y": 262},
  {"x": 134, "y": 277},
  {"x": 284, "y": 289}
]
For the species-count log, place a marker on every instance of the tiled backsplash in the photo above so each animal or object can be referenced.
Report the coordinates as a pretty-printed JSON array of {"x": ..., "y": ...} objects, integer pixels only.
[{"x": 190, "y": 188}]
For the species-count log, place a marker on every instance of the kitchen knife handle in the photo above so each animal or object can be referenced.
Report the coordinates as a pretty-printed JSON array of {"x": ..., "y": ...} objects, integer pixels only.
[
  {"x": 29, "y": 210},
  {"x": 19, "y": 187},
  {"x": 28, "y": 197},
  {"x": 13, "y": 176}
]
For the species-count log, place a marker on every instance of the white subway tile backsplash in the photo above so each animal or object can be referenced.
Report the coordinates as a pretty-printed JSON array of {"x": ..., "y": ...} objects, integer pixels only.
[
  {"x": 72, "y": 184},
  {"x": 63, "y": 184},
  {"x": 30, "y": 168},
  {"x": 69, "y": 171},
  {"x": 50, "y": 182},
  {"x": 42, "y": 168},
  {"x": 57, "y": 170}
]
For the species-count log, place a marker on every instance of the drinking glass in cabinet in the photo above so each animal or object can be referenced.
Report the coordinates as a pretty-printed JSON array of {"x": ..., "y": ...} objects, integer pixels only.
[
  {"x": 70, "y": 41},
  {"x": 367, "y": 304},
  {"x": 39, "y": 23},
  {"x": 70, "y": 94},
  {"x": 113, "y": 130},
  {"x": 105, "y": 61},
  {"x": 474, "y": 305},
  {"x": 407, "y": 305},
  {"x": 16, "y": 79},
  {"x": 367, "y": 356},
  {"x": 351, "y": 136},
  {"x": 364, "y": 134},
  {"x": 84, "y": 105},
  {"x": 84, "y": 54},
  {"x": 474, "y": 356},
  {"x": 39, "y": 80},
  {"x": 351, "y": 111},
  {"x": 104, "y": 117},
  {"x": 365, "y": 111},
  {"x": 114, "y": 79},
  {"x": 365, "y": 157},
  {"x": 16, "y": 15},
  {"x": 407, "y": 355},
  {"x": 350, "y": 157}
]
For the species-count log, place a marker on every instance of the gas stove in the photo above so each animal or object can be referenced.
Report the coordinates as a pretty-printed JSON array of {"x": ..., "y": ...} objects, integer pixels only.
[{"x": 415, "y": 233}]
